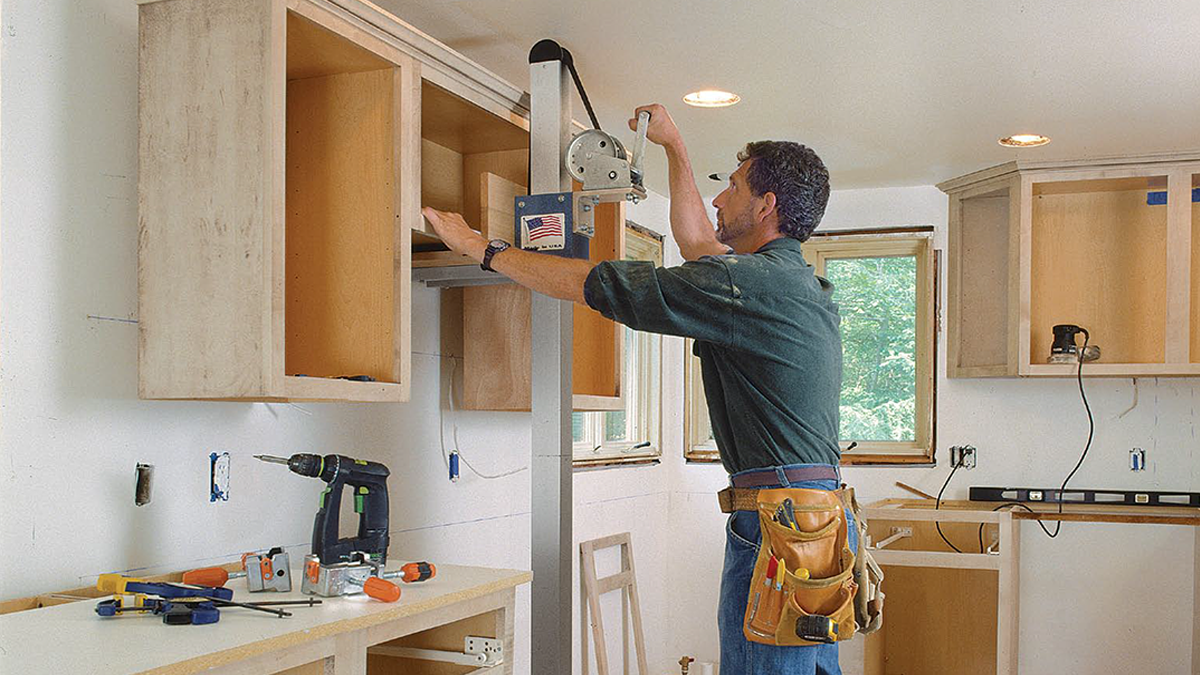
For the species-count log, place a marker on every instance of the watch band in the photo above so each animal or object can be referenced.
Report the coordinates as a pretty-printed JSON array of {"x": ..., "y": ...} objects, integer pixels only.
[{"x": 494, "y": 246}]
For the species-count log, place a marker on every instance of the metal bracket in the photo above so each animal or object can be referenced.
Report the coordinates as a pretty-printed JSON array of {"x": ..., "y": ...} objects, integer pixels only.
[
  {"x": 586, "y": 201},
  {"x": 898, "y": 533},
  {"x": 477, "y": 651},
  {"x": 458, "y": 275}
]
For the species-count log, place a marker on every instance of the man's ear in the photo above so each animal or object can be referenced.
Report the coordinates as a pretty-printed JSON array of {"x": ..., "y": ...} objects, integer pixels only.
[{"x": 766, "y": 207}]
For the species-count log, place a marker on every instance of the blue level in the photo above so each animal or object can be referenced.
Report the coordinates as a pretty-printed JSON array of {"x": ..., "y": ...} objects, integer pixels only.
[{"x": 1160, "y": 198}]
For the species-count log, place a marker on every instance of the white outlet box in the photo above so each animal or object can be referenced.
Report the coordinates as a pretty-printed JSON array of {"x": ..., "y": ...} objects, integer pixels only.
[{"x": 962, "y": 456}]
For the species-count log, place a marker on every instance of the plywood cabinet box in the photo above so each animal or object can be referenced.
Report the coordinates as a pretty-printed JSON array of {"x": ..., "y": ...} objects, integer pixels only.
[
  {"x": 1111, "y": 245},
  {"x": 286, "y": 148}
]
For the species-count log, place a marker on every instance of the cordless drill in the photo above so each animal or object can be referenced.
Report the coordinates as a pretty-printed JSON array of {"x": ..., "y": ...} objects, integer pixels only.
[{"x": 369, "y": 481}]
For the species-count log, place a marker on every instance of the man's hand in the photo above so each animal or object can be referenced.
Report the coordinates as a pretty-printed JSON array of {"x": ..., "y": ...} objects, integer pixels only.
[
  {"x": 662, "y": 129},
  {"x": 455, "y": 233}
]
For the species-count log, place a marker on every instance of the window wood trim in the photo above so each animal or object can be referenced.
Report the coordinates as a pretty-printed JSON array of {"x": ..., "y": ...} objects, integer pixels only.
[
  {"x": 849, "y": 245},
  {"x": 640, "y": 244}
]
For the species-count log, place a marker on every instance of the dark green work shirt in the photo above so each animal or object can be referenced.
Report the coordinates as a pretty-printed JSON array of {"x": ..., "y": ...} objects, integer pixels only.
[{"x": 766, "y": 332}]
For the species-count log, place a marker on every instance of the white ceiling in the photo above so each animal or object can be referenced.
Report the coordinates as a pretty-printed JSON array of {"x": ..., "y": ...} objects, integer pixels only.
[{"x": 888, "y": 93}]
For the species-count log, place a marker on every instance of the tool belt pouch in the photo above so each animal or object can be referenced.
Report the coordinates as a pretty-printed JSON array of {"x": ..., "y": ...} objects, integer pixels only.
[
  {"x": 809, "y": 597},
  {"x": 868, "y": 601}
]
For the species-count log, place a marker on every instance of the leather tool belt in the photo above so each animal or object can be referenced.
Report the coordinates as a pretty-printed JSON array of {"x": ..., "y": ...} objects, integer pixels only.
[{"x": 808, "y": 586}]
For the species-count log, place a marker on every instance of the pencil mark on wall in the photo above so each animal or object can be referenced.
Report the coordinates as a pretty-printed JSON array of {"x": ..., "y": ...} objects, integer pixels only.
[{"x": 111, "y": 318}]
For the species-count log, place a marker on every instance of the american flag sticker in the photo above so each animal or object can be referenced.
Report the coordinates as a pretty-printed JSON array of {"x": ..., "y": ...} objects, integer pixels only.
[{"x": 543, "y": 232}]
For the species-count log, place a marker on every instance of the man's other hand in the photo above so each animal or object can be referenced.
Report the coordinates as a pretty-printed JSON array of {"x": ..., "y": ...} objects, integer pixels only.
[
  {"x": 662, "y": 129},
  {"x": 454, "y": 232}
]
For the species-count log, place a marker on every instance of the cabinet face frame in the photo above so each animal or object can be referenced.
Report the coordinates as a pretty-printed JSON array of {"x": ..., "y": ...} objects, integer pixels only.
[{"x": 1178, "y": 272}]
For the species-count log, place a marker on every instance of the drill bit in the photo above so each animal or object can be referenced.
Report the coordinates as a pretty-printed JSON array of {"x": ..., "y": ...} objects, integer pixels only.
[{"x": 273, "y": 459}]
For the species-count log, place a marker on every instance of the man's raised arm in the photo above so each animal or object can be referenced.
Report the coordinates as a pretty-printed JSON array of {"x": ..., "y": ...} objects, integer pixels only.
[{"x": 690, "y": 225}]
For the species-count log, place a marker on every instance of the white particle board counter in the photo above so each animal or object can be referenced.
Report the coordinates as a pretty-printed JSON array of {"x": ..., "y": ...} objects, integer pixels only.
[{"x": 332, "y": 637}]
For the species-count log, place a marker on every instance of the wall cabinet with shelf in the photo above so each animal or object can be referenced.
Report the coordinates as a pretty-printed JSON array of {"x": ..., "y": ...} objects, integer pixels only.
[
  {"x": 1109, "y": 245},
  {"x": 286, "y": 149},
  {"x": 275, "y": 212}
]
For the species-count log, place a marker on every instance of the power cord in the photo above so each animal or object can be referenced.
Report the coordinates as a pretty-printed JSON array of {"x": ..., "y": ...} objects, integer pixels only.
[
  {"x": 1086, "y": 448},
  {"x": 938, "y": 505},
  {"x": 454, "y": 433}
]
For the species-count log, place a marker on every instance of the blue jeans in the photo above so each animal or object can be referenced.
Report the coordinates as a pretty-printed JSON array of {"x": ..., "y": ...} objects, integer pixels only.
[{"x": 740, "y": 656}]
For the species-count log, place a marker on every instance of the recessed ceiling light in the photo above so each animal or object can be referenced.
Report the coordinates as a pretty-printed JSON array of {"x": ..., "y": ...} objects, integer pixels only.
[
  {"x": 1024, "y": 140},
  {"x": 711, "y": 98}
]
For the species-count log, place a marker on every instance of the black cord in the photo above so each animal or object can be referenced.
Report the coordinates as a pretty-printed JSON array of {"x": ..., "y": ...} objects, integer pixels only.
[
  {"x": 938, "y": 504},
  {"x": 1091, "y": 434},
  {"x": 582, "y": 94},
  {"x": 1088, "y": 446}
]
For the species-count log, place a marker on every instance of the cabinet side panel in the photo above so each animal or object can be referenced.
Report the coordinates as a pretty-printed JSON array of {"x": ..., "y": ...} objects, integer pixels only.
[
  {"x": 983, "y": 282},
  {"x": 341, "y": 219},
  {"x": 496, "y": 346},
  {"x": 596, "y": 367},
  {"x": 921, "y": 597},
  {"x": 1195, "y": 303},
  {"x": 204, "y": 198}
]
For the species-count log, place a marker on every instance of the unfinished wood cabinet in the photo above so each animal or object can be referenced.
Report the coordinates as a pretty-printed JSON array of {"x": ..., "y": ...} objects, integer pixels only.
[
  {"x": 277, "y": 196},
  {"x": 475, "y": 162},
  {"x": 1109, "y": 245},
  {"x": 497, "y": 344}
]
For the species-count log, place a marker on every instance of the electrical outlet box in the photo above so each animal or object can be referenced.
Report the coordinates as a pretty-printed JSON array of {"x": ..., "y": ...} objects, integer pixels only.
[
  {"x": 1137, "y": 459},
  {"x": 962, "y": 456},
  {"x": 218, "y": 477}
]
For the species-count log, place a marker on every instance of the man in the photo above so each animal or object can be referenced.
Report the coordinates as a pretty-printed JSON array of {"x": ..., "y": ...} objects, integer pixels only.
[{"x": 766, "y": 332}]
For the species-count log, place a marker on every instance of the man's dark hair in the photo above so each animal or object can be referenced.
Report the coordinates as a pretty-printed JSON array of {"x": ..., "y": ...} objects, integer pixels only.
[{"x": 798, "y": 178}]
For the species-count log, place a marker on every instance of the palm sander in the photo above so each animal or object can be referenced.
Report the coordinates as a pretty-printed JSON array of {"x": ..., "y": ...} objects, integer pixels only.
[
  {"x": 1064, "y": 349},
  {"x": 369, "y": 483}
]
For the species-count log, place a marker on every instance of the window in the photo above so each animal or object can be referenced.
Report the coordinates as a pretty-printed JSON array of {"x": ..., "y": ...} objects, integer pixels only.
[
  {"x": 632, "y": 434},
  {"x": 885, "y": 288},
  {"x": 699, "y": 444}
]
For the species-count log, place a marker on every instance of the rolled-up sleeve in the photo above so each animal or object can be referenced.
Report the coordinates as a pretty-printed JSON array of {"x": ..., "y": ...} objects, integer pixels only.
[{"x": 695, "y": 299}]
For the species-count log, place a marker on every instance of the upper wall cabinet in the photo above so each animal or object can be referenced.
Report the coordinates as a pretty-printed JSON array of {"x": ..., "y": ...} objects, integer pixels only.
[
  {"x": 277, "y": 197},
  {"x": 497, "y": 344},
  {"x": 1112, "y": 246}
]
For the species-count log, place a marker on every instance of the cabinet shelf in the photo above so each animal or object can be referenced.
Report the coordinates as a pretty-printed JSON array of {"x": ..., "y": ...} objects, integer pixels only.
[{"x": 1108, "y": 246}]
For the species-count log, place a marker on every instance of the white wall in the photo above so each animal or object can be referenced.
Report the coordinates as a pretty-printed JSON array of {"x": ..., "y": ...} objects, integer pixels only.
[{"x": 1081, "y": 592}]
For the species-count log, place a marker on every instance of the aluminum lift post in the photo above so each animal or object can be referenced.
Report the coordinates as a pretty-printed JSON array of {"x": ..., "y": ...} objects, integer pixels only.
[{"x": 551, "y": 401}]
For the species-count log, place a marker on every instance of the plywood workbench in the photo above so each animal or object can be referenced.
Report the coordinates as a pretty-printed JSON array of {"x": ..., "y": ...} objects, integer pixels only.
[{"x": 331, "y": 638}]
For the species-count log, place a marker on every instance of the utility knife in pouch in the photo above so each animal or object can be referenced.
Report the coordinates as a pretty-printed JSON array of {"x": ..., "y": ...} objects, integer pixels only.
[{"x": 802, "y": 591}]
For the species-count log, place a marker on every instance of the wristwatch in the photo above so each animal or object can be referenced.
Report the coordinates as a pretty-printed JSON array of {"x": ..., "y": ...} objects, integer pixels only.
[{"x": 494, "y": 246}]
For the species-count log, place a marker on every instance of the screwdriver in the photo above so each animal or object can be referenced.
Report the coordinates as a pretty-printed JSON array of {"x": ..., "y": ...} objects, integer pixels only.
[{"x": 210, "y": 576}]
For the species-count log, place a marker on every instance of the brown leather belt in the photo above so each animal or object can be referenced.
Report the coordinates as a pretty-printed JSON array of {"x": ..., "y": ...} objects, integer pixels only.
[{"x": 743, "y": 494}]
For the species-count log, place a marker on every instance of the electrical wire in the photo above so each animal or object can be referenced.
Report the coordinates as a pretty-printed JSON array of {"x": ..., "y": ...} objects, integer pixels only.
[
  {"x": 454, "y": 433},
  {"x": 1088, "y": 446},
  {"x": 938, "y": 504}
]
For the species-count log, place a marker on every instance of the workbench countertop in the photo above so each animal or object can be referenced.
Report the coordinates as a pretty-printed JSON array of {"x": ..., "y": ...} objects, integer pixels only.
[{"x": 72, "y": 638}]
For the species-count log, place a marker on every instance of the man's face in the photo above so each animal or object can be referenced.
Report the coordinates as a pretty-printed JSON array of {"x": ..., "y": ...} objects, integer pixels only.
[{"x": 735, "y": 207}]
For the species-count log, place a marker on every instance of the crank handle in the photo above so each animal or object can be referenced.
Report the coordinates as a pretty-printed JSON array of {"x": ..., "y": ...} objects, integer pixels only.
[{"x": 639, "y": 142}]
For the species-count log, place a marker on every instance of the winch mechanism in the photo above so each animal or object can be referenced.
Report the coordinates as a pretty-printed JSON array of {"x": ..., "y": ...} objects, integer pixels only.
[{"x": 595, "y": 158}]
